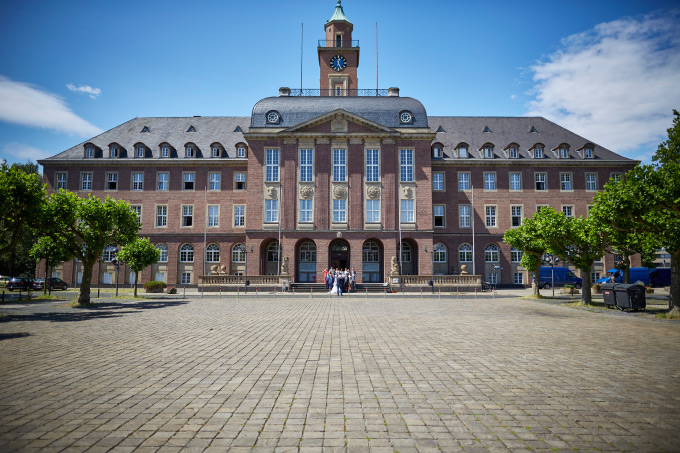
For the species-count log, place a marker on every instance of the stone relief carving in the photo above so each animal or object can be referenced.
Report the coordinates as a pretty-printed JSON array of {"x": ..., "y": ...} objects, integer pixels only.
[
  {"x": 271, "y": 191},
  {"x": 407, "y": 191},
  {"x": 373, "y": 192},
  {"x": 339, "y": 124},
  {"x": 339, "y": 192},
  {"x": 306, "y": 191}
]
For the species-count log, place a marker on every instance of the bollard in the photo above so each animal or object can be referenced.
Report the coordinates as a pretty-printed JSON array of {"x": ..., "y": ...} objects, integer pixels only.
[
  {"x": 184, "y": 294},
  {"x": 97, "y": 293},
  {"x": 275, "y": 291},
  {"x": 310, "y": 293},
  {"x": 238, "y": 292},
  {"x": 384, "y": 292},
  {"x": 475, "y": 293},
  {"x": 494, "y": 292},
  {"x": 440, "y": 293},
  {"x": 3, "y": 294},
  {"x": 256, "y": 293},
  {"x": 421, "y": 292},
  {"x": 220, "y": 292}
]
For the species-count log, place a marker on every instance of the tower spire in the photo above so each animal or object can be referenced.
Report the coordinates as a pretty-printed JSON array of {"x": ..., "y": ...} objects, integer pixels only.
[{"x": 338, "y": 14}]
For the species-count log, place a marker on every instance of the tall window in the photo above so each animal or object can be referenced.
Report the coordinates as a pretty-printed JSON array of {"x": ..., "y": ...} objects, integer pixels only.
[
  {"x": 213, "y": 216},
  {"x": 306, "y": 211},
  {"x": 489, "y": 181},
  {"x": 86, "y": 181},
  {"x": 113, "y": 152},
  {"x": 306, "y": 165},
  {"x": 163, "y": 181},
  {"x": 187, "y": 216},
  {"x": 339, "y": 165},
  {"x": 214, "y": 181},
  {"x": 61, "y": 180},
  {"x": 515, "y": 181},
  {"x": 164, "y": 253},
  {"x": 109, "y": 253},
  {"x": 538, "y": 153},
  {"x": 437, "y": 152},
  {"x": 272, "y": 163},
  {"x": 564, "y": 153},
  {"x": 89, "y": 152},
  {"x": 462, "y": 151},
  {"x": 591, "y": 182},
  {"x": 212, "y": 253},
  {"x": 438, "y": 180},
  {"x": 137, "y": 181},
  {"x": 616, "y": 176},
  {"x": 241, "y": 152},
  {"x": 439, "y": 220},
  {"x": 240, "y": 181},
  {"x": 372, "y": 211},
  {"x": 271, "y": 211},
  {"x": 541, "y": 181},
  {"x": 339, "y": 211},
  {"x": 516, "y": 215},
  {"x": 239, "y": 216},
  {"x": 407, "y": 211},
  {"x": 490, "y": 216},
  {"x": 161, "y": 216},
  {"x": 190, "y": 151},
  {"x": 189, "y": 181},
  {"x": 589, "y": 153},
  {"x": 439, "y": 255},
  {"x": 488, "y": 152},
  {"x": 513, "y": 152},
  {"x": 406, "y": 165},
  {"x": 491, "y": 253},
  {"x": 238, "y": 253},
  {"x": 565, "y": 181},
  {"x": 112, "y": 181},
  {"x": 137, "y": 209},
  {"x": 186, "y": 278},
  {"x": 464, "y": 216},
  {"x": 463, "y": 181},
  {"x": 568, "y": 211},
  {"x": 140, "y": 151},
  {"x": 518, "y": 278},
  {"x": 372, "y": 166},
  {"x": 165, "y": 151},
  {"x": 215, "y": 151},
  {"x": 515, "y": 255},
  {"x": 465, "y": 253},
  {"x": 186, "y": 253},
  {"x": 405, "y": 249}
]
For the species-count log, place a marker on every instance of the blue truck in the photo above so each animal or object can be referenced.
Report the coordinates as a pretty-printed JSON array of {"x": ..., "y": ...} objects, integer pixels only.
[
  {"x": 563, "y": 276},
  {"x": 637, "y": 274}
]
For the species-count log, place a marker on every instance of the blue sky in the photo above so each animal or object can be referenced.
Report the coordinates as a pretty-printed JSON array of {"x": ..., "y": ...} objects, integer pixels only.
[{"x": 608, "y": 70}]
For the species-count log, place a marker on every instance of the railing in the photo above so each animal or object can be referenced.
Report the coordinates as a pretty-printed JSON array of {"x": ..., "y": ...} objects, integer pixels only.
[
  {"x": 338, "y": 92},
  {"x": 240, "y": 280},
  {"x": 334, "y": 43},
  {"x": 441, "y": 280}
]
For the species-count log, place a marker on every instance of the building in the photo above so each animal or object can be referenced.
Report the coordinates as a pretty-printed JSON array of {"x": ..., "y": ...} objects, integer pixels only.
[{"x": 340, "y": 174}]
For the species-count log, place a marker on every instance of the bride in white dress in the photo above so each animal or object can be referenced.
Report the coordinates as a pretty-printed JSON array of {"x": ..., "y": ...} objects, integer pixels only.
[{"x": 334, "y": 291}]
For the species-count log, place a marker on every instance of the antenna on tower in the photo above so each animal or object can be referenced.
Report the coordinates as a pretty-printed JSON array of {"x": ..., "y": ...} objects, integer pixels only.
[{"x": 302, "y": 37}]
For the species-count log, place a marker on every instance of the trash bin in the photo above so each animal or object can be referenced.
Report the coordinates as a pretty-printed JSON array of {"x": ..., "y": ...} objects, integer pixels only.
[
  {"x": 630, "y": 297},
  {"x": 608, "y": 294}
]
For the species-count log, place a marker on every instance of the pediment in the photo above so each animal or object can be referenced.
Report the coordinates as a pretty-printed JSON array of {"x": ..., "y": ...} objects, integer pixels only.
[{"x": 340, "y": 121}]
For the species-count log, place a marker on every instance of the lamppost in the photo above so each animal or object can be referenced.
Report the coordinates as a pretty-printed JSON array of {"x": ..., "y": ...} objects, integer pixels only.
[
  {"x": 431, "y": 282},
  {"x": 551, "y": 259},
  {"x": 495, "y": 276},
  {"x": 116, "y": 263}
]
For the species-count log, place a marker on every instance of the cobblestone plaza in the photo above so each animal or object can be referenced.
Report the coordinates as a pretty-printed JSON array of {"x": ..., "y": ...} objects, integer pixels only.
[{"x": 346, "y": 374}]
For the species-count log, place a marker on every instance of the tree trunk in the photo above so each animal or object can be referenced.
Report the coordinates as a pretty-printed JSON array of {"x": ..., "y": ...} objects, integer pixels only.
[
  {"x": 674, "y": 302},
  {"x": 47, "y": 268},
  {"x": 626, "y": 269},
  {"x": 537, "y": 280},
  {"x": 136, "y": 279},
  {"x": 84, "y": 297},
  {"x": 585, "y": 289}
]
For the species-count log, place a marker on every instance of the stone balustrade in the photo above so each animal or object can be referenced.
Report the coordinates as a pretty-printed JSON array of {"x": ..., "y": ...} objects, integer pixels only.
[{"x": 440, "y": 280}]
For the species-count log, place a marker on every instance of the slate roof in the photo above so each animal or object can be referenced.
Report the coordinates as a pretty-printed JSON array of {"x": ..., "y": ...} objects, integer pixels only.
[
  {"x": 295, "y": 110},
  {"x": 208, "y": 130},
  {"x": 506, "y": 130}
]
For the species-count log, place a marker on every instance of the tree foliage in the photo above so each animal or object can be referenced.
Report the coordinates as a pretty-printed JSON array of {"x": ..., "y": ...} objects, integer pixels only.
[
  {"x": 527, "y": 238},
  {"x": 84, "y": 226},
  {"x": 53, "y": 254},
  {"x": 138, "y": 255}
]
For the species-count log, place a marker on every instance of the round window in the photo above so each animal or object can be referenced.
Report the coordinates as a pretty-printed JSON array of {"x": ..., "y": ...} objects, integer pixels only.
[
  {"x": 405, "y": 117},
  {"x": 273, "y": 117}
]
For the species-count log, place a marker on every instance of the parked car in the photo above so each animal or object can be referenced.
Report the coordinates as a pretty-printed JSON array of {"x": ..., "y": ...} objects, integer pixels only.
[
  {"x": 661, "y": 276},
  {"x": 636, "y": 274},
  {"x": 20, "y": 283},
  {"x": 4, "y": 281},
  {"x": 52, "y": 283},
  {"x": 563, "y": 276}
]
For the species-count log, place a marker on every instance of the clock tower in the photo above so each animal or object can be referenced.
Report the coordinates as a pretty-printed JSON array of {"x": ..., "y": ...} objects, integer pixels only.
[{"x": 338, "y": 57}]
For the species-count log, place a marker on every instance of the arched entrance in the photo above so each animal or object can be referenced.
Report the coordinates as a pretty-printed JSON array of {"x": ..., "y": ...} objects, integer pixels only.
[
  {"x": 271, "y": 259},
  {"x": 339, "y": 254},
  {"x": 371, "y": 262},
  {"x": 306, "y": 262},
  {"x": 409, "y": 257}
]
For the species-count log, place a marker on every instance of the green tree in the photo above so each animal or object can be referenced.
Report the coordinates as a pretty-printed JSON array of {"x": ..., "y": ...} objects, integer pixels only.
[
  {"x": 527, "y": 238},
  {"x": 647, "y": 201},
  {"x": 84, "y": 226},
  {"x": 576, "y": 240},
  {"x": 48, "y": 250},
  {"x": 139, "y": 254}
]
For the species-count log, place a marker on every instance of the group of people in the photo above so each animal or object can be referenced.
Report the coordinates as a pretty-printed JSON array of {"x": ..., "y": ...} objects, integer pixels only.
[{"x": 339, "y": 281}]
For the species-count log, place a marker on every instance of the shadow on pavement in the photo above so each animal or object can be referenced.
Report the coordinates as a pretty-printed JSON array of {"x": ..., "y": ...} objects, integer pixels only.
[{"x": 9, "y": 336}]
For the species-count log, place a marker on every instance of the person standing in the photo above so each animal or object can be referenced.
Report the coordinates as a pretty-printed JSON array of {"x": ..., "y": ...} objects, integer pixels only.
[{"x": 341, "y": 283}]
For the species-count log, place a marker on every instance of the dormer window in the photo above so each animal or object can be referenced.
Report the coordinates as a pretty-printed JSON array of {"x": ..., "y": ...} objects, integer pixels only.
[
  {"x": 462, "y": 152},
  {"x": 538, "y": 153},
  {"x": 113, "y": 152},
  {"x": 89, "y": 152},
  {"x": 140, "y": 151},
  {"x": 191, "y": 129},
  {"x": 273, "y": 117},
  {"x": 564, "y": 153},
  {"x": 437, "y": 152},
  {"x": 513, "y": 152},
  {"x": 165, "y": 151},
  {"x": 588, "y": 152},
  {"x": 215, "y": 151},
  {"x": 241, "y": 152},
  {"x": 406, "y": 117},
  {"x": 190, "y": 151},
  {"x": 488, "y": 152}
]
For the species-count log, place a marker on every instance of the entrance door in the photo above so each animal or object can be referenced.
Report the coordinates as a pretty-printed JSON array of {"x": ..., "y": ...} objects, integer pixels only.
[
  {"x": 307, "y": 263},
  {"x": 371, "y": 268},
  {"x": 339, "y": 255}
]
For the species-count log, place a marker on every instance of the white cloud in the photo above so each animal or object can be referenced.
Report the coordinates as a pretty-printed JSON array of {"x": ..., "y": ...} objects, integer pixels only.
[
  {"x": 616, "y": 84},
  {"x": 93, "y": 92},
  {"x": 21, "y": 103},
  {"x": 18, "y": 152}
]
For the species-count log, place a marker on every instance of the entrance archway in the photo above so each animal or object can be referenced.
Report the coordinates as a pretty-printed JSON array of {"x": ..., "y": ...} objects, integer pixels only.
[
  {"x": 371, "y": 262},
  {"x": 409, "y": 257},
  {"x": 339, "y": 254},
  {"x": 307, "y": 262},
  {"x": 271, "y": 259}
]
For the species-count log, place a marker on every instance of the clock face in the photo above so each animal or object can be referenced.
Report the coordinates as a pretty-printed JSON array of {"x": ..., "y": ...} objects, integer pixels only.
[{"x": 338, "y": 63}]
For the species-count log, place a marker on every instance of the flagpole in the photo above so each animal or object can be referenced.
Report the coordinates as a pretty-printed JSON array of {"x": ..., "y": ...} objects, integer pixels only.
[
  {"x": 205, "y": 227},
  {"x": 400, "y": 244},
  {"x": 472, "y": 219},
  {"x": 279, "y": 213}
]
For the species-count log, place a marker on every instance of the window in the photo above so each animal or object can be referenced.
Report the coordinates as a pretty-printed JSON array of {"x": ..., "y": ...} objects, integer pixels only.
[
  {"x": 213, "y": 216},
  {"x": 61, "y": 180},
  {"x": 539, "y": 207},
  {"x": 591, "y": 182},
  {"x": 513, "y": 152},
  {"x": 490, "y": 216},
  {"x": 113, "y": 151},
  {"x": 241, "y": 152},
  {"x": 437, "y": 152},
  {"x": 339, "y": 211},
  {"x": 489, "y": 181},
  {"x": 565, "y": 181},
  {"x": 239, "y": 216},
  {"x": 86, "y": 181},
  {"x": 112, "y": 181},
  {"x": 137, "y": 181},
  {"x": 89, "y": 152},
  {"x": 439, "y": 216},
  {"x": 518, "y": 278},
  {"x": 568, "y": 211},
  {"x": 214, "y": 183},
  {"x": 109, "y": 254},
  {"x": 164, "y": 253},
  {"x": 463, "y": 181},
  {"x": 488, "y": 152},
  {"x": 564, "y": 153},
  {"x": 406, "y": 165},
  {"x": 538, "y": 153},
  {"x": 407, "y": 211},
  {"x": 515, "y": 182},
  {"x": 372, "y": 165},
  {"x": 140, "y": 151},
  {"x": 616, "y": 176},
  {"x": 462, "y": 152},
  {"x": 515, "y": 255},
  {"x": 339, "y": 165},
  {"x": 212, "y": 253},
  {"x": 405, "y": 252},
  {"x": 165, "y": 151},
  {"x": 189, "y": 180},
  {"x": 190, "y": 151},
  {"x": 588, "y": 153},
  {"x": 306, "y": 211},
  {"x": 187, "y": 216},
  {"x": 465, "y": 253},
  {"x": 186, "y": 278},
  {"x": 162, "y": 182},
  {"x": 464, "y": 216},
  {"x": 186, "y": 253},
  {"x": 372, "y": 211},
  {"x": 491, "y": 253},
  {"x": 272, "y": 162},
  {"x": 215, "y": 151},
  {"x": 306, "y": 165},
  {"x": 240, "y": 181},
  {"x": 273, "y": 252},
  {"x": 439, "y": 255},
  {"x": 238, "y": 253},
  {"x": 107, "y": 278},
  {"x": 541, "y": 181},
  {"x": 161, "y": 216},
  {"x": 594, "y": 277},
  {"x": 137, "y": 209},
  {"x": 271, "y": 211},
  {"x": 438, "y": 180},
  {"x": 516, "y": 215}
]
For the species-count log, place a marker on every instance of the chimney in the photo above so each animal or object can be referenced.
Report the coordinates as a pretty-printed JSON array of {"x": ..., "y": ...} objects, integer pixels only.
[
  {"x": 393, "y": 91},
  {"x": 284, "y": 91}
]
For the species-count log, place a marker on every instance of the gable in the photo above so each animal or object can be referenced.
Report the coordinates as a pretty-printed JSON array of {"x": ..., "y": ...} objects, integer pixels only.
[{"x": 340, "y": 121}]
